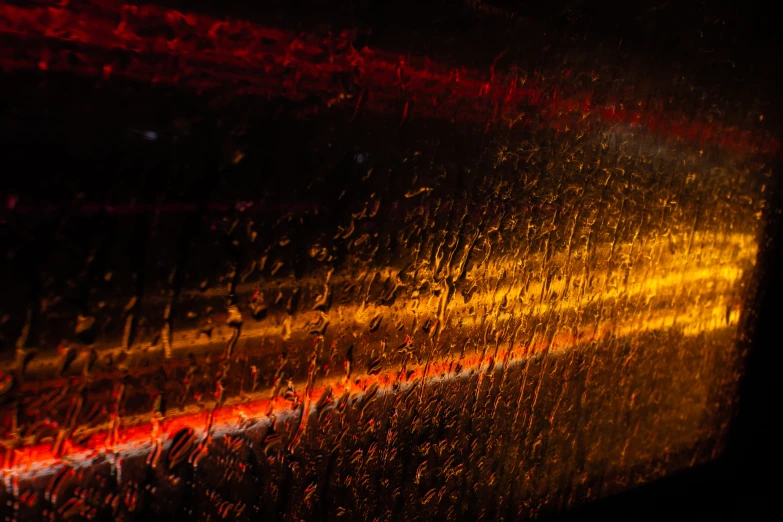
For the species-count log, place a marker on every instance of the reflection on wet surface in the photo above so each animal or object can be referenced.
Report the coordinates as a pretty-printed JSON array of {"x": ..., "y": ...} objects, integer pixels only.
[{"x": 419, "y": 292}]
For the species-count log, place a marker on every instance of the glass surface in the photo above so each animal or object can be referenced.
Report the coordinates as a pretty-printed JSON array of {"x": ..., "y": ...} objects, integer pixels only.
[{"x": 394, "y": 262}]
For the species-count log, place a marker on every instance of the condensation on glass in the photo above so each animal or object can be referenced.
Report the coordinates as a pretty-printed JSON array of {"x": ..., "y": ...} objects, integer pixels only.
[{"x": 278, "y": 274}]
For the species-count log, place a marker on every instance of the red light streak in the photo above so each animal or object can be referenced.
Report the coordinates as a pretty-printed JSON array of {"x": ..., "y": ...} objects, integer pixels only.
[
  {"x": 166, "y": 46},
  {"x": 145, "y": 435}
]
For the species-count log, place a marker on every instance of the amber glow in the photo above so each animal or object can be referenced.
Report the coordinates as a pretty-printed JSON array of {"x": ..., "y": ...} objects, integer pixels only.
[{"x": 672, "y": 286}]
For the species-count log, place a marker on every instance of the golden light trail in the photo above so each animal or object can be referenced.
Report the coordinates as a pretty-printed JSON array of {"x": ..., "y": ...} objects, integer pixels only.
[{"x": 140, "y": 434}]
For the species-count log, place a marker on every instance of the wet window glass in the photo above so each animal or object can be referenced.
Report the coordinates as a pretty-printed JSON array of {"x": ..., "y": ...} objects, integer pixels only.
[{"x": 370, "y": 261}]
